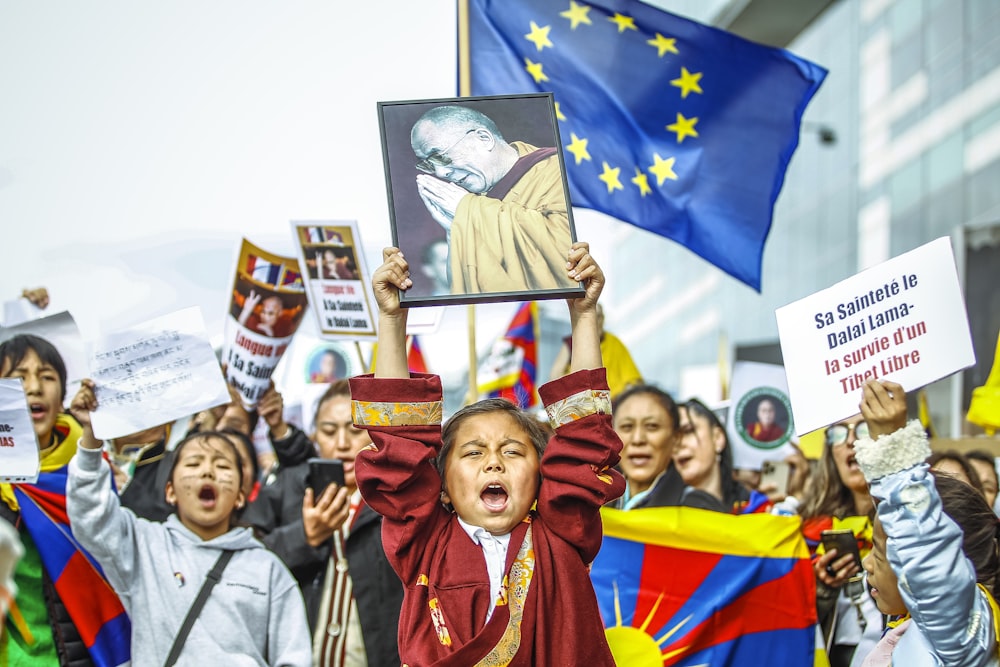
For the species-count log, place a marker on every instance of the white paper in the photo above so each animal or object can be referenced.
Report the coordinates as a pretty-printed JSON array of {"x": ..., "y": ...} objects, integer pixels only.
[
  {"x": 154, "y": 373},
  {"x": 757, "y": 390},
  {"x": 59, "y": 329},
  {"x": 19, "y": 311},
  {"x": 903, "y": 320},
  {"x": 19, "y": 459}
]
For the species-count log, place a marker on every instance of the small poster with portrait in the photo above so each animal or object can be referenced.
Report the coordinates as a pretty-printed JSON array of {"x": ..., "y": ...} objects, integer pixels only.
[
  {"x": 266, "y": 307},
  {"x": 336, "y": 278},
  {"x": 478, "y": 198},
  {"x": 759, "y": 422}
]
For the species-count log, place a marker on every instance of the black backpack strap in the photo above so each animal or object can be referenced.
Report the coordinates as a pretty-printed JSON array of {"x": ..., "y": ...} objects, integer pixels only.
[{"x": 206, "y": 589}]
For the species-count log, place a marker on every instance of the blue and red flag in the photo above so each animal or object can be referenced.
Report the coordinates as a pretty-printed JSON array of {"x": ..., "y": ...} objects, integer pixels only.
[
  {"x": 683, "y": 586},
  {"x": 92, "y": 603},
  {"x": 670, "y": 125},
  {"x": 510, "y": 369},
  {"x": 415, "y": 357}
]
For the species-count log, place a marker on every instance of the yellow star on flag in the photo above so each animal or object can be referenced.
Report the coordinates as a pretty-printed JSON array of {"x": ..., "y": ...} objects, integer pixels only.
[
  {"x": 684, "y": 127},
  {"x": 663, "y": 169},
  {"x": 610, "y": 178},
  {"x": 535, "y": 70},
  {"x": 687, "y": 82},
  {"x": 578, "y": 147},
  {"x": 576, "y": 14},
  {"x": 559, "y": 113},
  {"x": 623, "y": 22},
  {"x": 664, "y": 44},
  {"x": 642, "y": 182},
  {"x": 539, "y": 36}
]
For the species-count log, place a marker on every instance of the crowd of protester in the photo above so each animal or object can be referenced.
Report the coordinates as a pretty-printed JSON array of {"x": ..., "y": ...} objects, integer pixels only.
[{"x": 401, "y": 564}]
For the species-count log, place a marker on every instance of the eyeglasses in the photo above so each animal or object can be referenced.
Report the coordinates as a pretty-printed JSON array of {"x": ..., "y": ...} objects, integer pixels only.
[
  {"x": 440, "y": 158},
  {"x": 839, "y": 433}
]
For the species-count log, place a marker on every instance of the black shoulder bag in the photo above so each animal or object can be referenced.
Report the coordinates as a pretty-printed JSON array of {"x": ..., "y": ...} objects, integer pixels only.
[{"x": 206, "y": 589}]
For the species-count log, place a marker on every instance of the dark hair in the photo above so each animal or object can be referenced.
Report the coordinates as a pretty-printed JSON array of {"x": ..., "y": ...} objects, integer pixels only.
[
  {"x": 15, "y": 349},
  {"x": 248, "y": 443},
  {"x": 959, "y": 458},
  {"x": 663, "y": 398},
  {"x": 175, "y": 456},
  {"x": 732, "y": 491},
  {"x": 826, "y": 494},
  {"x": 535, "y": 432},
  {"x": 967, "y": 508}
]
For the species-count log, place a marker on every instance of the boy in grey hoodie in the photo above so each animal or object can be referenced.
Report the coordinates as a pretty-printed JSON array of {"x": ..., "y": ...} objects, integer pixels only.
[{"x": 254, "y": 616}]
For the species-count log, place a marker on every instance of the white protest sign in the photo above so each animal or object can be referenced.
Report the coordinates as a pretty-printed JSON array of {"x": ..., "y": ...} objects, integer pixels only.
[
  {"x": 759, "y": 419},
  {"x": 903, "y": 320},
  {"x": 331, "y": 255},
  {"x": 154, "y": 373},
  {"x": 19, "y": 462}
]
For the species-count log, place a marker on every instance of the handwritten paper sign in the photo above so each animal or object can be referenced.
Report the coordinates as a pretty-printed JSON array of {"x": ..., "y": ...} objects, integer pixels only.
[
  {"x": 759, "y": 420},
  {"x": 19, "y": 462},
  {"x": 902, "y": 320},
  {"x": 334, "y": 263},
  {"x": 154, "y": 373}
]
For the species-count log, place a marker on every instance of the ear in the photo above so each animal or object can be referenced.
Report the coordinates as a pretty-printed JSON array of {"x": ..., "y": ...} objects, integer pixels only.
[
  {"x": 485, "y": 136},
  {"x": 240, "y": 499},
  {"x": 170, "y": 495},
  {"x": 445, "y": 498},
  {"x": 718, "y": 439}
]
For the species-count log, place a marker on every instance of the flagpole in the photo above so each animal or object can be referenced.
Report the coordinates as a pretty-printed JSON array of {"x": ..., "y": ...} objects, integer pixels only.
[{"x": 464, "y": 90}]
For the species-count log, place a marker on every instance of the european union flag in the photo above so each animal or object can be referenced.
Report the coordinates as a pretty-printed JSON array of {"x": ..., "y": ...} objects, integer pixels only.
[{"x": 675, "y": 127}]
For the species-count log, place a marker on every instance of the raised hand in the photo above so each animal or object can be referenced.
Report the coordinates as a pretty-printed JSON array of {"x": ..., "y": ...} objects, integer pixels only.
[{"x": 883, "y": 405}]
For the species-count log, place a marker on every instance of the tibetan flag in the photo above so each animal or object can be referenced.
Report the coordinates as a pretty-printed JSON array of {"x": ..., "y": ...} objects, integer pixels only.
[
  {"x": 263, "y": 271},
  {"x": 684, "y": 586},
  {"x": 92, "y": 603},
  {"x": 415, "y": 357},
  {"x": 670, "y": 125},
  {"x": 509, "y": 370},
  {"x": 291, "y": 279}
]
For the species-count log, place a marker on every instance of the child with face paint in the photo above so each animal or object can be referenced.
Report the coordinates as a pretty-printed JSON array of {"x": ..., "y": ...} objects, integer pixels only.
[
  {"x": 935, "y": 557},
  {"x": 157, "y": 569}
]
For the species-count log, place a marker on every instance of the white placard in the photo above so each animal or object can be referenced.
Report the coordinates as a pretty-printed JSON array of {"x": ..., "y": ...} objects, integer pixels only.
[
  {"x": 759, "y": 420},
  {"x": 902, "y": 320},
  {"x": 19, "y": 461},
  {"x": 154, "y": 373}
]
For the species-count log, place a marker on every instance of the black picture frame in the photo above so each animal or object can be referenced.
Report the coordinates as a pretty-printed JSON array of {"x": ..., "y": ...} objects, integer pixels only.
[{"x": 530, "y": 119}]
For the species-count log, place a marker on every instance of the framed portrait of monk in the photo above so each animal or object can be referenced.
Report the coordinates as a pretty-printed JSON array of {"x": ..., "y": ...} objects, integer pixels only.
[{"x": 478, "y": 198}]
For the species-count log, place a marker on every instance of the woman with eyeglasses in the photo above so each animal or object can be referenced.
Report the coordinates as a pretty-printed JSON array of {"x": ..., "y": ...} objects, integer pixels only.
[{"x": 837, "y": 498}]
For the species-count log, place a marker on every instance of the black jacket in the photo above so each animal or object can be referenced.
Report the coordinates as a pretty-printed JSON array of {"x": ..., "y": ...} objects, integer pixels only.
[
  {"x": 277, "y": 517},
  {"x": 671, "y": 491}
]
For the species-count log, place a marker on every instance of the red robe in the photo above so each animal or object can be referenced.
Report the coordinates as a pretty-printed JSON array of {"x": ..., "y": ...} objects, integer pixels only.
[{"x": 447, "y": 589}]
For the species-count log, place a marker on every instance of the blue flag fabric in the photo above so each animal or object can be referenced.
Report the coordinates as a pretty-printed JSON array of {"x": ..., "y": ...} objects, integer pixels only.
[{"x": 673, "y": 126}]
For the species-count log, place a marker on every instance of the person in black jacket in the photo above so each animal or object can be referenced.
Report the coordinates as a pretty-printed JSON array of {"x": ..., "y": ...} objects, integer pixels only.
[{"x": 333, "y": 543}]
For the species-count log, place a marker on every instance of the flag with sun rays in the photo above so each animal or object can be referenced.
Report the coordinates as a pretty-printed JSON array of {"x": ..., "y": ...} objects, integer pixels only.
[
  {"x": 673, "y": 126},
  {"x": 682, "y": 586}
]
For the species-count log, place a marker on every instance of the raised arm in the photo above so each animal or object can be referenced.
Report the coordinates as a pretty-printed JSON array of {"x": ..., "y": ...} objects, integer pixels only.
[
  {"x": 393, "y": 275},
  {"x": 96, "y": 518},
  {"x": 583, "y": 317}
]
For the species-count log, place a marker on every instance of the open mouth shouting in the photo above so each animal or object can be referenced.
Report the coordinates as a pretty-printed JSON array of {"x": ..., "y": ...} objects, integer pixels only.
[
  {"x": 494, "y": 497},
  {"x": 207, "y": 496}
]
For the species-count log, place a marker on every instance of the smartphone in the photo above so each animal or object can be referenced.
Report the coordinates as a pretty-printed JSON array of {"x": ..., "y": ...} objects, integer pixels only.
[
  {"x": 843, "y": 541},
  {"x": 776, "y": 473},
  {"x": 322, "y": 473}
]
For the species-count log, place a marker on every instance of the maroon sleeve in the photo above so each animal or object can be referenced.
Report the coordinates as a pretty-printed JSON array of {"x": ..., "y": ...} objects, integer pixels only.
[
  {"x": 396, "y": 474},
  {"x": 578, "y": 475}
]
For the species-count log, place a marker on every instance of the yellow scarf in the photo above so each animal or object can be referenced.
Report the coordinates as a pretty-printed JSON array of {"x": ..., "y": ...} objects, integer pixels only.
[{"x": 67, "y": 432}]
